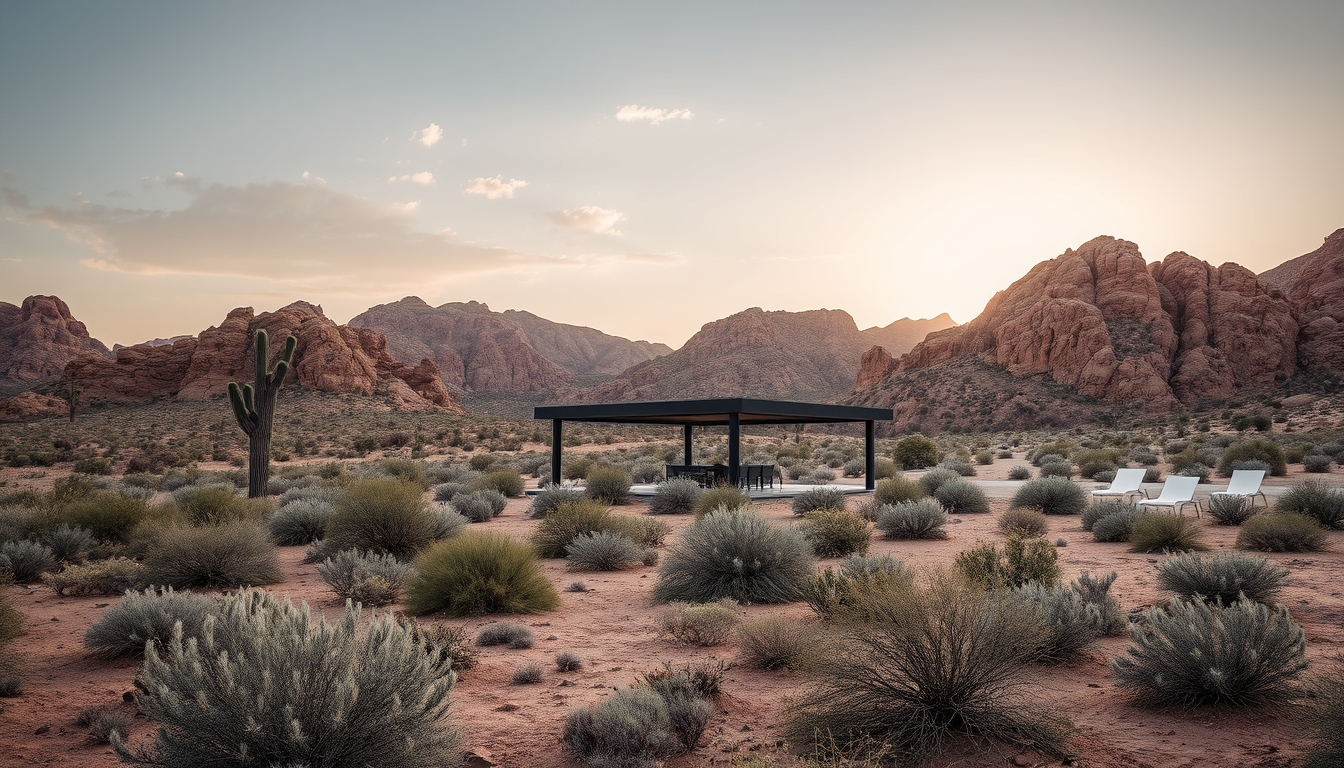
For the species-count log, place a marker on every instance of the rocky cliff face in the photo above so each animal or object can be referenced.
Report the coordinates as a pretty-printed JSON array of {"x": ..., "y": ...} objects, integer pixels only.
[
  {"x": 581, "y": 350},
  {"x": 328, "y": 356},
  {"x": 902, "y": 335},
  {"x": 39, "y": 338},
  {"x": 474, "y": 348},
  {"x": 1317, "y": 292}
]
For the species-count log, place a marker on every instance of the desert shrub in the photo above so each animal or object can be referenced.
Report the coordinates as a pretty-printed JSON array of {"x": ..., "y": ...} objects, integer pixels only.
[
  {"x": 102, "y": 577},
  {"x": 148, "y": 617},
  {"x": 602, "y": 551},
  {"x": 1071, "y": 622},
  {"x": 1152, "y": 475},
  {"x": 937, "y": 478},
  {"x": 1052, "y": 496},
  {"x": 477, "y": 573},
  {"x": 1316, "y": 500},
  {"x": 102, "y": 721},
  {"x": 1248, "y": 464},
  {"x": 1194, "y": 653},
  {"x": 215, "y": 504},
  {"x": 735, "y": 554},
  {"x": 962, "y": 498},
  {"x": 1104, "y": 475},
  {"x": 832, "y": 594},
  {"x": 773, "y": 642},
  {"x": 702, "y": 624},
  {"x": 644, "y": 531},
  {"x": 1093, "y": 461},
  {"x": 448, "y": 491},
  {"x": 1230, "y": 510},
  {"x": 1281, "y": 532},
  {"x": 568, "y": 521},
  {"x": 445, "y": 643},
  {"x": 923, "y": 519},
  {"x": 1222, "y": 578},
  {"x": 1099, "y": 509},
  {"x": 817, "y": 476},
  {"x": 677, "y": 496},
  {"x": 218, "y": 699},
  {"x": 69, "y": 545},
  {"x": 1264, "y": 450},
  {"x": 25, "y": 560},
  {"x": 885, "y": 468},
  {"x": 324, "y": 494},
  {"x": 374, "y": 579},
  {"x": 232, "y": 555},
  {"x": 552, "y": 496},
  {"x": 916, "y": 452},
  {"x": 933, "y": 662},
  {"x": 95, "y": 465},
  {"x": 1157, "y": 532},
  {"x": 855, "y": 467},
  {"x": 506, "y": 481},
  {"x": 516, "y": 636},
  {"x": 1321, "y": 716},
  {"x": 526, "y": 674},
  {"x": 703, "y": 677},
  {"x": 479, "y": 506},
  {"x": 836, "y": 532},
  {"x": 897, "y": 490},
  {"x": 108, "y": 516},
  {"x": 1097, "y": 591},
  {"x": 985, "y": 458},
  {"x": 406, "y": 470},
  {"x": 961, "y": 466},
  {"x": 1024, "y": 522},
  {"x": 1197, "y": 470},
  {"x": 636, "y": 727},
  {"x": 1062, "y": 469},
  {"x": 1316, "y": 463},
  {"x": 609, "y": 485},
  {"x": 381, "y": 515},
  {"x": 1019, "y": 473},
  {"x": 1041, "y": 459},
  {"x": 646, "y": 470},
  {"x": 1021, "y": 560},
  {"x": 299, "y": 523},
  {"x": 568, "y": 661},
  {"x": 818, "y": 498},
  {"x": 728, "y": 496},
  {"x": 1117, "y": 527}
]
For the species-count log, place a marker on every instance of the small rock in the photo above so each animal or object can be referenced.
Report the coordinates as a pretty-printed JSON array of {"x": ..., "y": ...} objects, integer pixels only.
[
  {"x": 55, "y": 618},
  {"x": 101, "y": 605},
  {"x": 479, "y": 758},
  {"x": 552, "y": 637},
  {"x": 746, "y": 728},
  {"x": 507, "y": 708},
  {"x": 128, "y": 696},
  {"x": 1023, "y": 760},
  {"x": 1093, "y": 685},
  {"x": 42, "y": 730},
  {"x": 565, "y": 682}
]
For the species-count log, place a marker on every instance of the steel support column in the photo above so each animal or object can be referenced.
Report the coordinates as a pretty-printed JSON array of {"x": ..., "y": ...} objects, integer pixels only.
[
  {"x": 869, "y": 454},
  {"x": 734, "y": 448},
  {"x": 557, "y": 440},
  {"x": 690, "y": 452}
]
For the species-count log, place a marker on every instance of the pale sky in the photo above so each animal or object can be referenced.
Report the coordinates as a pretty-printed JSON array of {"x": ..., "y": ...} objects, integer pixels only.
[{"x": 645, "y": 168}]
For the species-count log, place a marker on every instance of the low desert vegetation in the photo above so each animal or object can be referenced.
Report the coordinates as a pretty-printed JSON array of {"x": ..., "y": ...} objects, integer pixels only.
[
  {"x": 603, "y": 551},
  {"x": 702, "y": 624},
  {"x": 608, "y": 485},
  {"x": 639, "y": 726},
  {"x": 677, "y": 496},
  {"x": 515, "y": 636},
  {"x": 1117, "y": 526},
  {"x": 937, "y": 478},
  {"x": 1263, "y": 450},
  {"x": 568, "y": 661},
  {"x": 479, "y": 573},
  {"x": 1100, "y": 509},
  {"x": 102, "y": 721},
  {"x": 960, "y": 497},
  {"x": 568, "y": 521},
  {"x": 1281, "y": 532},
  {"x": 897, "y": 490},
  {"x": 838, "y": 593},
  {"x": 1230, "y": 510},
  {"x": 818, "y": 498},
  {"x": 148, "y": 617},
  {"x": 231, "y": 555},
  {"x": 1158, "y": 532},
  {"x": 102, "y": 577},
  {"x": 1071, "y": 622},
  {"x": 721, "y": 497},
  {"x": 916, "y": 452},
  {"x": 299, "y": 523},
  {"x": 1023, "y": 521},
  {"x": 25, "y": 560},
  {"x": 506, "y": 481},
  {"x": 1222, "y": 578},
  {"x": 1316, "y": 500},
  {"x": 1051, "y": 496},
  {"x": 774, "y": 642},
  {"x": 371, "y": 578},
  {"x": 836, "y": 532},
  {"x": 552, "y": 496},
  {"x": 738, "y": 555},
  {"x": 922, "y": 519},
  {"x": 381, "y": 515},
  {"x": 1021, "y": 560},
  {"x": 1321, "y": 716}
]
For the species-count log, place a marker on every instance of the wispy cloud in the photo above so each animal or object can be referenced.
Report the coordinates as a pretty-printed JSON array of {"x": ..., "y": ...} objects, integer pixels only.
[
  {"x": 428, "y": 136},
  {"x": 590, "y": 218},
  {"x": 634, "y": 113},
  {"x": 424, "y": 177},
  {"x": 494, "y": 188}
]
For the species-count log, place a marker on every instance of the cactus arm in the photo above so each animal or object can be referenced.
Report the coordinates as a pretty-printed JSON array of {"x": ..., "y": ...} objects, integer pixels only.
[
  {"x": 263, "y": 360},
  {"x": 240, "y": 411},
  {"x": 281, "y": 370},
  {"x": 249, "y": 400}
]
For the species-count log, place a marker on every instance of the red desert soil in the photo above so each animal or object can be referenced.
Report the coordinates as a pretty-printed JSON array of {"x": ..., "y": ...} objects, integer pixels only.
[{"x": 612, "y": 629}]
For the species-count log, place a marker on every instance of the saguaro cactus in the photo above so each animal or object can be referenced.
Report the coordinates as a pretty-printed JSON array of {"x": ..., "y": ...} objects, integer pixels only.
[{"x": 254, "y": 408}]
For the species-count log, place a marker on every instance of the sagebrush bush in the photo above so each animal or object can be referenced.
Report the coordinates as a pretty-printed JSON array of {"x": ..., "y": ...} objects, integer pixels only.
[
  {"x": 108, "y": 516},
  {"x": 1062, "y": 469},
  {"x": 448, "y": 522},
  {"x": 962, "y": 498},
  {"x": 1316, "y": 500},
  {"x": 1157, "y": 532},
  {"x": 702, "y": 624},
  {"x": 323, "y": 494},
  {"x": 103, "y": 720},
  {"x": 936, "y": 478},
  {"x": 568, "y": 661},
  {"x": 148, "y": 617},
  {"x": 446, "y": 492},
  {"x": 1021, "y": 560},
  {"x": 526, "y": 674},
  {"x": 516, "y": 636},
  {"x": 1099, "y": 509},
  {"x": 1193, "y": 653},
  {"x": 381, "y": 515},
  {"x": 1097, "y": 591},
  {"x": 1264, "y": 450},
  {"x": 372, "y": 578},
  {"x": 922, "y": 519},
  {"x": 299, "y": 523},
  {"x": 1117, "y": 527},
  {"x": 960, "y": 466},
  {"x": 101, "y": 577},
  {"x": 1230, "y": 510},
  {"x": 480, "y": 572},
  {"x": 729, "y": 496},
  {"x": 1024, "y": 522},
  {"x": 1316, "y": 463},
  {"x": 636, "y": 728},
  {"x": 1019, "y": 473},
  {"x": 26, "y": 560},
  {"x": 818, "y": 498},
  {"x": 1281, "y": 532},
  {"x": 1071, "y": 622},
  {"x": 1052, "y": 496},
  {"x": 216, "y": 504},
  {"x": 1221, "y": 578},
  {"x": 233, "y": 555},
  {"x": 506, "y": 481},
  {"x": 834, "y": 594},
  {"x": 447, "y": 644},
  {"x": 603, "y": 551},
  {"x": 677, "y": 496},
  {"x": 836, "y": 532},
  {"x": 69, "y": 545},
  {"x": 609, "y": 485},
  {"x": 552, "y": 496},
  {"x": 773, "y": 642},
  {"x": 897, "y": 490},
  {"x": 931, "y": 662},
  {"x": 916, "y": 452},
  {"x": 478, "y": 506},
  {"x": 738, "y": 554},
  {"x": 1321, "y": 716},
  {"x": 570, "y": 520},
  {"x": 371, "y": 697},
  {"x": 11, "y": 626}
]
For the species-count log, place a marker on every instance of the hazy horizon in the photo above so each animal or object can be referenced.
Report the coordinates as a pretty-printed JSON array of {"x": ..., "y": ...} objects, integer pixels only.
[{"x": 644, "y": 169}]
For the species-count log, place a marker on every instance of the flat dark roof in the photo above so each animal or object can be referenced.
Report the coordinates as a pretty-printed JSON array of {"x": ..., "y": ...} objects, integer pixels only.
[{"x": 713, "y": 411}]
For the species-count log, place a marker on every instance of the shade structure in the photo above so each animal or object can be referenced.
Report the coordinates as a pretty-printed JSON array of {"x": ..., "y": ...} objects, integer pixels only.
[{"x": 732, "y": 412}]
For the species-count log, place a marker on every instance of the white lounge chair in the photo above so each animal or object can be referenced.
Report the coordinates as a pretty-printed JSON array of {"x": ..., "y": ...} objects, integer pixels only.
[
  {"x": 1245, "y": 482},
  {"x": 1127, "y": 481},
  {"x": 1178, "y": 491}
]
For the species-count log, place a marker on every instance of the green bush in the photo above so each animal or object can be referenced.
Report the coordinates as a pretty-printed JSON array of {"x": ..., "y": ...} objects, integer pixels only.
[
  {"x": 405, "y": 470},
  {"x": 1316, "y": 500},
  {"x": 95, "y": 465},
  {"x": 67, "y": 544},
  {"x": 1023, "y": 522},
  {"x": 960, "y": 466},
  {"x": 339, "y": 704},
  {"x": 1158, "y": 532},
  {"x": 148, "y": 617},
  {"x": 602, "y": 551},
  {"x": 936, "y": 478},
  {"x": 1223, "y": 578},
  {"x": 373, "y": 579},
  {"x": 1061, "y": 469},
  {"x": 381, "y": 515},
  {"x": 1316, "y": 463},
  {"x": 916, "y": 452},
  {"x": 774, "y": 642},
  {"x": 1052, "y": 496},
  {"x": 985, "y": 458},
  {"x": 108, "y": 516},
  {"x": 216, "y": 504},
  {"x": 299, "y": 523},
  {"x": 728, "y": 496},
  {"x": 1099, "y": 509},
  {"x": 232, "y": 555},
  {"x": 677, "y": 496},
  {"x": 1281, "y": 532},
  {"x": 1019, "y": 473},
  {"x": 897, "y": 490},
  {"x": 506, "y": 481},
  {"x": 962, "y": 498},
  {"x": 931, "y": 663},
  {"x": 478, "y": 573},
  {"x": 552, "y": 496},
  {"x": 831, "y": 594},
  {"x": 1193, "y": 653},
  {"x": 609, "y": 485},
  {"x": 701, "y": 624},
  {"x": 516, "y": 636},
  {"x": 1117, "y": 527},
  {"x": 836, "y": 532},
  {"x": 480, "y": 506},
  {"x": 577, "y": 469},
  {"x": 569, "y": 521},
  {"x": 25, "y": 560},
  {"x": 818, "y": 498},
  {"x": 740, "y": 555},
  {"x": 923, "y": 519},
  {"x": 1264, "y": 450},
  {"x": 101, "y": 577},
  {"x": 1230, "y": 510},
  {"x": 1093, "y": 461},
  {"x": 1322, "y": 715},
  {"x": 1021, "y": 560}
]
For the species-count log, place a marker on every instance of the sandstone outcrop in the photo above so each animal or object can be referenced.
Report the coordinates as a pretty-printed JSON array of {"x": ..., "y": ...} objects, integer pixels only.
[
  {"x": 581, "y": 350},
  {"x": 875, "y": 365},
  {"x": 1317, "y": 292},
  {"x": 39, "y": 338},
  {"x": 31, "y": 405}
]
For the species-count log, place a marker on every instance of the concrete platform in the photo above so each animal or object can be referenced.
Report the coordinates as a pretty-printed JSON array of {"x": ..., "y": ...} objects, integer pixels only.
[{"x": 780, "y": 491}]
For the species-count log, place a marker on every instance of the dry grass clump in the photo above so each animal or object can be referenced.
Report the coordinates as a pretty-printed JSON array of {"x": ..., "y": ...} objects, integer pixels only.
[
  {"x": 1052, "y": 496},
  {"x": 603, "y": 551},
  {"x": 639, "y": 726},
  {"x": 101, "y": 577},
  {"x": 818, "y": 498},
  {"x": 148, "y": 617},
  {"x": 552, "y": 496},
  {"x": 1322, "y": 715},
  {"x": 1024, "y": 522},
  {"x": 233, "y": 555},
  {"x": 1281, "y": 532},
  {"x": 371, "y": 578},
  {"x": 897, "y": 490},
  {"x": 960, "y": 497},
  {"x": 1157, "y": 532},
  {"x": 25, "y": 560},
  {"x": 103, "y": 720},
  {"x": 1099, "y": 509},
  {"x": 381, "y": 515},
  {"x": 833, "y": 593},
  {"x": 608, "y": 485},
  {"x": 1316, "y": 500},
  {"x": 702, "y": 624},
  {"x": 516, "y": 636},
  {"x": 774, "y": 642},
  {"x": 108, "y": 516},
  {"x": 721, "y": 497},
  {"x": 1222, "y": 578},
  {"x": 1230, "y": 510},
  {"x": 1022, "y": 559}
]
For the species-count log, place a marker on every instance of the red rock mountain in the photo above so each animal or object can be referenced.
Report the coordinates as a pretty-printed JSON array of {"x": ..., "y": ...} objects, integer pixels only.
[
  {"x": 580, "y": 350},
  {"x": 1317, "y": 291},
  {"x": 39, "y": 338},
  {"x": 328, "y": 356}
]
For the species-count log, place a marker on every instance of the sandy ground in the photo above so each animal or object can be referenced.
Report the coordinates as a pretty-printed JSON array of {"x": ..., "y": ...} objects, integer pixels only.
[{"x": 612, "y": 628}]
